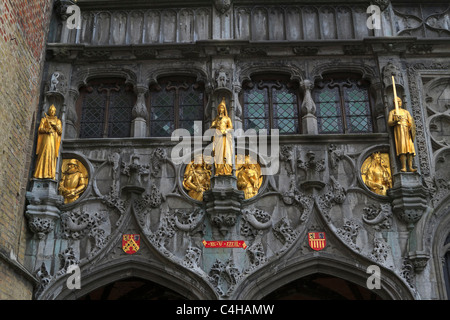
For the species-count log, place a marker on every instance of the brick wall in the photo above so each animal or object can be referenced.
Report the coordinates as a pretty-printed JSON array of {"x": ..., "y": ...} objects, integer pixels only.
[{"x": 23, "y": 31}]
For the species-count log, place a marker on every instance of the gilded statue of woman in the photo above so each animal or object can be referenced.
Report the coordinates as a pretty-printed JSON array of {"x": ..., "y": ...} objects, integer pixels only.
[
  {"x": 223, "y": 141},
  {"x": 404, "y": 134},
  {"x": 48, "y": 142},
  {"x": 376, "y": 173}
]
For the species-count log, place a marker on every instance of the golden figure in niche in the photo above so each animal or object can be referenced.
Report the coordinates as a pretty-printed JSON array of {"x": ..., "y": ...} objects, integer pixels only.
[
  {"x": 197, "y": 179},
  {"x": 74, "y": 180},
  {"x": 404, "y": 133},
  {"x": 223, "y": 141},
  {"x": 376, "y": 173},
  {"x": 249, "y": 177},
  {"x": 48, "y": 142}
]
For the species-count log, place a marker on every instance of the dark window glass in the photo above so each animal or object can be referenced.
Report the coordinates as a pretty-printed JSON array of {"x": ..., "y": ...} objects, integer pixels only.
[
  {"x": 343, "y": 106},
  {"x": 106, "y": 109},
  {"x": 175, "y": 104},
  {"x": 271, "y": 104}
]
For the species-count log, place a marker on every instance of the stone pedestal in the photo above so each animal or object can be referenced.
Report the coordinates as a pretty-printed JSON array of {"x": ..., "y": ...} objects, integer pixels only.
[
  {"x": 223, "y": 204},
  {"x": 410, "y": 202},
  {"x": 43, "y": 209},
  {"x": 409, "y": 197}
]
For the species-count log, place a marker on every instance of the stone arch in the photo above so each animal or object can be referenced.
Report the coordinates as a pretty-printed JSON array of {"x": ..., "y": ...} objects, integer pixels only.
[
  {"x": 186, "y": 284},
  {"x": 81, "y": 78},
  {"x": 262, "y": 283},
  {"x": 336, "y": 66},
  {"x": 437, "y": 233},
  {"x": 295, "y": 73}
]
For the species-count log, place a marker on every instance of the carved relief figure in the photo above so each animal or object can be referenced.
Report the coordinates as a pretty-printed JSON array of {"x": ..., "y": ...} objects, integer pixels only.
[
  {"x": 47, "y": 149},
  {"x": 249, "y": 178},
  {"x": 223, "y": 141},
  {"x": 376, "y": 173},
  {"x": 74, "y": 180},
  {"x": 404, "y": 134},
  {"x": 197, "y": 179}
]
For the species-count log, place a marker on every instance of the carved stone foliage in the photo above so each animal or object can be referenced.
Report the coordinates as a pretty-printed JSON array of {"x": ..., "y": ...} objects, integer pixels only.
[
  {"x": 380, "y": 217},
  {"x": 77, "y": 225},
  {"x": 140, "y": 190},
  {"x": 349, "y": 232},
  {"x": 224, "y": 276}
]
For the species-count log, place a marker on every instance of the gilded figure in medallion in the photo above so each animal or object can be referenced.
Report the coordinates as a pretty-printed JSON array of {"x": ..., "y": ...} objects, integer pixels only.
[
  {"x": 197, "y": 179},
  {"x": 376, "y": 173},
  {"x": 48, "y": 143},
  {"x": 223, "y": 141},
  {"x": 249, "y": 177},
  {"x": 74, "y": 180}
]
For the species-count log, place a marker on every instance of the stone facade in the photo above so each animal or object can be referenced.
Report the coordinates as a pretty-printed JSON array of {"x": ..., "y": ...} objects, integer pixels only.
[
  {"x": 23, "y": 33},
  {"x": 135, "y": 185}
]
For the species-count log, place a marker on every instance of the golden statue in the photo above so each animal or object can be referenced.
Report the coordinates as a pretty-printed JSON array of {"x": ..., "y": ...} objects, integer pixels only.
[
  {"x": 376, "y": 173},
  {"x": 404, "y": 132},
  {"x": 223, "y": 141},
  {"x": 249, "y": 177},
  {"x": 197, "y": 179},
  {"x": 74, "y": 180},
  {"x": 48, "y": 142}
]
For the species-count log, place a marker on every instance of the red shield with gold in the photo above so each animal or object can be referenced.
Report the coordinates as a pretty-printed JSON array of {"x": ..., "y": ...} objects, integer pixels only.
[
  {"x": 131, "y": 243},
  {"x": 317, "y": 240}
]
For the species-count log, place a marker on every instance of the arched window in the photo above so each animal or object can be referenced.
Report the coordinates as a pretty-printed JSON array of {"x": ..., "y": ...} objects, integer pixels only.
[
  {"x": 175, "y": 103},
  {"x": 343, "y": 105},
  {"x": 271, "y": 103},
  {"x": 104, "y": 108}
]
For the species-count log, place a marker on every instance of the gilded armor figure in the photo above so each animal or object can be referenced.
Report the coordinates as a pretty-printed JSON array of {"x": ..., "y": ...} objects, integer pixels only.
[
  {"x": 376, "y": 173},
  {"x": 249, "y": 178},
  {"x": 48, "y": 142},
  {"x": 223, "y": 141},
  {"x": 197, "y": 179},
  {"x": 404, "y": 132},
  {"x": 74, "y": 180}
]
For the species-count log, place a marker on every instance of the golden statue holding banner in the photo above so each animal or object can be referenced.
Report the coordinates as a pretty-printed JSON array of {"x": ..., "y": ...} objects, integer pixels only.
[
  {"x": 223, "y": 141},
  {"x": 404, "y": 132},
  {"x": 48, "y": 142}
]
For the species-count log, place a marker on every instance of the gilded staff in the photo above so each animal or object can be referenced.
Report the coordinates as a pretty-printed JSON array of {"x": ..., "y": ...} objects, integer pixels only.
[{"x": 395, "y": 95}]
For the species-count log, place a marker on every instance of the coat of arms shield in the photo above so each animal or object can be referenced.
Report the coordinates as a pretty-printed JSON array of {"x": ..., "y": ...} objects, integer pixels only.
[
  {"x": 131, "y": 243},
  {"x": 317, "y": 240}
]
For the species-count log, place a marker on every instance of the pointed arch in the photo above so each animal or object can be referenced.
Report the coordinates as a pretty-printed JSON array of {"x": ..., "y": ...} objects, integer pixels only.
[
  {"x": 262, "y": 283},
  {"x": 186, "y": 284}
]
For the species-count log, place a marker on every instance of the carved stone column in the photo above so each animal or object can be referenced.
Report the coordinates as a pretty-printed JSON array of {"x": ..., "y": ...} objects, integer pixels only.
[
  {"x": 308, "y": 109},
  {"x": 409, "y": 197},
  {"x": 43, "y": 208},
  {"x": 223, "y": 204},
  {"x": 140, "y": 114}
]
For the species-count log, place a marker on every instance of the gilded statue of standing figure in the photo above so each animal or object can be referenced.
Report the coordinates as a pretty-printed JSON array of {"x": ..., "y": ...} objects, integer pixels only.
[
  {"x": 47, "y": 149},
  {"x": 223, "y": 141},
  {"x": 404, "y": 132}
]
